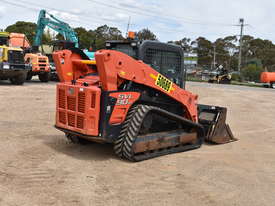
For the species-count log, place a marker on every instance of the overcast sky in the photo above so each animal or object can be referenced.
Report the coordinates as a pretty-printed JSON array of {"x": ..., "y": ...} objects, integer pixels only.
[{"x": 168, "y": 19}]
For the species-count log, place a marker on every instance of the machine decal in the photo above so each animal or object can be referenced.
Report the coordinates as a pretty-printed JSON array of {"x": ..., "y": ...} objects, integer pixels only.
[
  {"x": 153, "y": 76},
  {"x": 123, "y": 99},
  {"x": 123, "y": 103},
  {"x": 122, "y": 73},
  {"x": 164, "y": 83}
]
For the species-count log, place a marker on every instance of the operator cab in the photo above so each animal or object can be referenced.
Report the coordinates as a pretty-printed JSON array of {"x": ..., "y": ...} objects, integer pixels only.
[{"x": 167, "y": 59}]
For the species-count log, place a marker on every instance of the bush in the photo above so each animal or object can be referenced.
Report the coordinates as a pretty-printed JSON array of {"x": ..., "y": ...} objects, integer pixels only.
[
  {"x": 236, "y": 77},
  {"x": 251, "y": 73}
]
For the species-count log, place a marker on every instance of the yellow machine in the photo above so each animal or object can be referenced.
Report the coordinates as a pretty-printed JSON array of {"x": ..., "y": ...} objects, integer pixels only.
[
  {"x": 12, "y": 65},
  {"x": 39, "y": 63},
  {"x": 220, "y": 76}
]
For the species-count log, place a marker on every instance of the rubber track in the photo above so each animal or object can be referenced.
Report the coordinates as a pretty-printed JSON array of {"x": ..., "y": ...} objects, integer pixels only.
[{"x": 129, "y": 132}]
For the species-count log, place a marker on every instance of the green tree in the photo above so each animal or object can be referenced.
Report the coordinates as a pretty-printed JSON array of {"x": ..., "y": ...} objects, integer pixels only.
[
  {"x": 27, "y": 28},
  {"x": 47, "y": 37},
  {"x": 85, "y": 38},
  {"x": 226, "y": 52},
  {"x": 103, "y": 33},
  {"x": 204, "y": 50},
  {"x": 185, "y": 43},
  {"x": 146, "y": 34},
  {"x": 252, "y": 72}
]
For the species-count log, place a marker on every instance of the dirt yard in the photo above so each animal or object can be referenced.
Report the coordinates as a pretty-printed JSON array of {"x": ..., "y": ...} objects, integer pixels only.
[{"x": 39, "y": 167}]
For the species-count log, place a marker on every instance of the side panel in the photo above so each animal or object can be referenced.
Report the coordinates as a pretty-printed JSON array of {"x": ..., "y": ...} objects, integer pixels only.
[
  {"x": 124, "y": 101},
  {"x": 110, "y": 118}
]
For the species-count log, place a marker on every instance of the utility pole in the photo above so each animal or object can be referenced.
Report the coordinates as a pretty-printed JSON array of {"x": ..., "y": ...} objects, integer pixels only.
[
  {"x": 214, "y": 63},
  {"x": 214, "y": 58},
  {"x": 241, "y": 44}
]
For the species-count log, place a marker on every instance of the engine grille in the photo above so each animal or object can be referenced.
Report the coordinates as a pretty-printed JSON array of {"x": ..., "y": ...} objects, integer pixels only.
[
  {"x": 62, "y": 117},
  {"x": 81, "y": 102},
  {"x": 80, "y": 122},
  {"x": 42, "y": 61},
  {"x": 61, "y": 98},
  {"x": 16, "y": 57},
  {"x": 71, "y": 103},
  {"x": 78, "y": 109},
  {"x": 72, "y": 108},
  {"x": 71, "y": 120}
]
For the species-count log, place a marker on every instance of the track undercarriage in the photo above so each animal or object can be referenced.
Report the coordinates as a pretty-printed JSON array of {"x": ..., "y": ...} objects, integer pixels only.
[
  {"x": 149, "y": 132},
  {"x": 136, "y": 142}
]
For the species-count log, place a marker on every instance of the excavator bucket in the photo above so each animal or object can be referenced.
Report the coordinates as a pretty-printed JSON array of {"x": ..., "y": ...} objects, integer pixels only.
[{"x": 213, "y": 119}]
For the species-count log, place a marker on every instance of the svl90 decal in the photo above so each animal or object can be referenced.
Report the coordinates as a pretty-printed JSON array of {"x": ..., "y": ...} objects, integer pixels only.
[{"x": 124, "y": 99}]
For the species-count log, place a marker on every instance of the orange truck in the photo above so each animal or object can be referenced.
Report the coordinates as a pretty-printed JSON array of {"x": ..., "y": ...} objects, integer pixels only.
[
  {"x": 268, "y": 78},
  {"x": 39, "y": 63},
  {"x": 40, "y": 66}
]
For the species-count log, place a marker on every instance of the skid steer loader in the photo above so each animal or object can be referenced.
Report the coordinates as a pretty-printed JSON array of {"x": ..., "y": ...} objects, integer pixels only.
[
  {"x": 220, "y": 76},
  {"x": 133, "y": 96}
]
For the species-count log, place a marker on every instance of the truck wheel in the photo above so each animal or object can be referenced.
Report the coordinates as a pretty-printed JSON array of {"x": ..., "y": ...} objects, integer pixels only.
[
  {"x": 44, "y": 77},
  {"x": 19, "y": 79},
  {"x": 272, "y": 85},
  {"x": 29, "y": 76}
]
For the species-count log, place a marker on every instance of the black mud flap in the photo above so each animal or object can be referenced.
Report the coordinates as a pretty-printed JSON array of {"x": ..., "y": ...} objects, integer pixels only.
[{"x": 213, "y": 119}]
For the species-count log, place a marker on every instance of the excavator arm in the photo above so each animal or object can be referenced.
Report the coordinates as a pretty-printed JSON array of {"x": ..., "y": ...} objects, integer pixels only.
[{"x": 57, "y": 25}]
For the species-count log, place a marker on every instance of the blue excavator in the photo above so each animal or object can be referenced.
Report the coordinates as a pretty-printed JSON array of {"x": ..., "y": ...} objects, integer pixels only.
[{"x": 59, "y": 26}]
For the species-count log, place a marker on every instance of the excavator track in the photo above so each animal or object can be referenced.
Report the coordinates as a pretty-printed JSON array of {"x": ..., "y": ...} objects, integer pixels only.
[{"x": 133, "y": 146}]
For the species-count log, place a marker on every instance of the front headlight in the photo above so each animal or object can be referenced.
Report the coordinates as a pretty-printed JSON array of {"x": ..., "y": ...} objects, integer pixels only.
[{"x": 6, "y": 66}]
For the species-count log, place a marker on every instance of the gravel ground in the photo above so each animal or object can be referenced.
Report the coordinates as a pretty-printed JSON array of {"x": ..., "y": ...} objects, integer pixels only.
[{"x": 39, "y": 167}]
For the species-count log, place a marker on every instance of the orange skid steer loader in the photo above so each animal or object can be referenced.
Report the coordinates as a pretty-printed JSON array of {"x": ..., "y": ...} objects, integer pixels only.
[{"x": 133, "y": 96}]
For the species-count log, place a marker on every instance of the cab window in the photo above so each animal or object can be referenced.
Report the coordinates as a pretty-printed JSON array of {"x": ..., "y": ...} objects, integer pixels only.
[
  {"x": 126, "y": 49},
  {"x": 167, "y": 63},
  {"x": 1, "y": 52}
]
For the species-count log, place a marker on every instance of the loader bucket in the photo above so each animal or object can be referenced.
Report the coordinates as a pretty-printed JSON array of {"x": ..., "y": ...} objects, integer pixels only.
[{"x": 213, "y": 119}]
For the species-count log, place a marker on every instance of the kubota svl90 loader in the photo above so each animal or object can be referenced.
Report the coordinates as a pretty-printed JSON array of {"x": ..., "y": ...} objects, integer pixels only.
[{"x": 133, "y": 96}]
